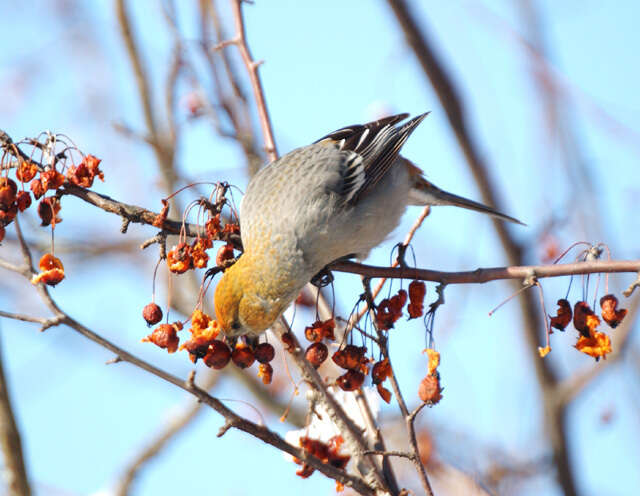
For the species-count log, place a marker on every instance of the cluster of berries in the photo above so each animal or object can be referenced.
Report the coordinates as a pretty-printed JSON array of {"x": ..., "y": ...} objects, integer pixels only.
[
  {"x": 592, "y": 342},
  {"x": 204, "y": 343}
]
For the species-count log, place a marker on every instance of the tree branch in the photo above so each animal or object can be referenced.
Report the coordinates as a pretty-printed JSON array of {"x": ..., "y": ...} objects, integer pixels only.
[{"x": 483, "y": 275}]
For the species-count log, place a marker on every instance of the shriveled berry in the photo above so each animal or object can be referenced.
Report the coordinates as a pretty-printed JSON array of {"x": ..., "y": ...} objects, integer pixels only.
[
  {"x": 350, "y": 380},
  {"x": 23, "y": 200},
  {"x": 264, "y": 352},
  {"x": 152, "y": 313},
  {"x": 242, "y": 356},
  {"x": 26, "y": 171},
  {"x": 37, "y": 188},
  {"x": 225, "y": 253},
  {"x": 8, "y": 190},
  {"x": 380, "y": 371},
  {"x": 164, "y": 336},
  {"x": 317, "y": 353},
  {"x": 218, "y": 356},
  {"x": 429, "y": 390}
]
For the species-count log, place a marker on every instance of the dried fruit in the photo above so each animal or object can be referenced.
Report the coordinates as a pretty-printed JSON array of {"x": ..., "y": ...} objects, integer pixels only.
[
  {"x": 580, "y": 312},
  {"x": 225, "y": 253},
  {"x": 543, "y": 352},
  {"x": 213, "y": 227},
  {"x": 198, "y": 253},
  {"x": 389, "y": 310},
  {"x": 384, "y": 393},
  {"x": 26, "y": 171},
  {"x": 264, "y": 352},
  {"x": 327, "y": 452},
  {"x": 417, "y": 291},
  {"x": 610, "y": 313},
  {"x": 434, "y": 360},
  {"x": 164, "y": 336},
  {"x": 179, "y": 258},
  {"x": 317, "y": 353},
  {"x": 37, "y": 188},
  {"x": 380, "y": 371},
  {"x": 159, "y": 219},
  {"x": 204, "y": 330},
  {"x": 8, "y": 191},
  {"x": 351, "y": 357},
  {"x": 265, "y": 372},
  {"x": 350, "y": 380},
  {"x": 597, "y": 345},
  {"x": 152, "y": 313},
  {"x": 52, "y": 270},
  {"x": 8, "y": 214},
  {"x": 289, "y": 342},
  {"x": 51, "y": 179},
  {"x": 23, "y": 200},
  {"x": 48, "y": 210},
  {"x": 85, "y": 172},
  {"x": 218, "y": 355},
  {"x": 563, "y": 316},
  {"x": 429, "y": 390},
  {"x": 242, "y": 356},
  {"x": 320, "y": 330}
]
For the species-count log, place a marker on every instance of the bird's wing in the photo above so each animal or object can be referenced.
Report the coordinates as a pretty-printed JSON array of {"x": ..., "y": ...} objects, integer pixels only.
[{"x": 371, "y": 150}]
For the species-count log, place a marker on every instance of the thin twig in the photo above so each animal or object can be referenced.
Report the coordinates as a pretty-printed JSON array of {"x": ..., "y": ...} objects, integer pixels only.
[{"x": 252, "y": 68}]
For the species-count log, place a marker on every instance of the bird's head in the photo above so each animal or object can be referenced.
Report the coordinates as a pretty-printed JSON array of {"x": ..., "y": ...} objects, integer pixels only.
[{"x": 243, "y": 307}]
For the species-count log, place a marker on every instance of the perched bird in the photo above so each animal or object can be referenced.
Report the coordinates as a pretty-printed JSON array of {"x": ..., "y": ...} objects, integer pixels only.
[{"x": 340, "y": 196}]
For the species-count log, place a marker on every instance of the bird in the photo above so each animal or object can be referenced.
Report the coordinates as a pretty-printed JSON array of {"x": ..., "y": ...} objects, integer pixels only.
[{"x": 338, "y": 197}]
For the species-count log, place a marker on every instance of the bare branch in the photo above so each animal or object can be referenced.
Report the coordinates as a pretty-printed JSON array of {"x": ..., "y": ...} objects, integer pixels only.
[
  {"x": 481, "y": 275},
  {"x": 14, "y": 471},
  {"x": 252, "y": 68}
]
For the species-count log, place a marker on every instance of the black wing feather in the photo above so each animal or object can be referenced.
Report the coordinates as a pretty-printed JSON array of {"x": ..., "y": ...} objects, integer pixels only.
[{"x": 374, "y": 148}]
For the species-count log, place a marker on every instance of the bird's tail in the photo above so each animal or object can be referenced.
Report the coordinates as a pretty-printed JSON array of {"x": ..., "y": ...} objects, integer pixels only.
[{"x": 425, "y": 193}]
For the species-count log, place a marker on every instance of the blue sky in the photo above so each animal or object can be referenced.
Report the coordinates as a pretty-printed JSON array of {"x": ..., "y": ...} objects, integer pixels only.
[{"x": 327, "y": 64}]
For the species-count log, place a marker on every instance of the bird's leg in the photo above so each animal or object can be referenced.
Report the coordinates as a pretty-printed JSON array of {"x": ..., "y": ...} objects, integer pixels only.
[
  {"x": 402, "y": 251},
  {"x": 322, "y": 278}
]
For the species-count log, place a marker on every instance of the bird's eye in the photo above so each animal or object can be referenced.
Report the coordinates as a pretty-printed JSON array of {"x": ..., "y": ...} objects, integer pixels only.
[{"x": 235, "y": 325}]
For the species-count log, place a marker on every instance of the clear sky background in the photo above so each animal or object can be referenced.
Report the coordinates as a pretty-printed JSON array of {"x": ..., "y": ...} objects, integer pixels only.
[{"x": 63, "y": 67}]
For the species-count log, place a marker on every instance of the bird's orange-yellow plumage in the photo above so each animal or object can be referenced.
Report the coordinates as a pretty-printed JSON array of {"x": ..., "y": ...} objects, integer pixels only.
[{"x": 247, "y": 298}]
